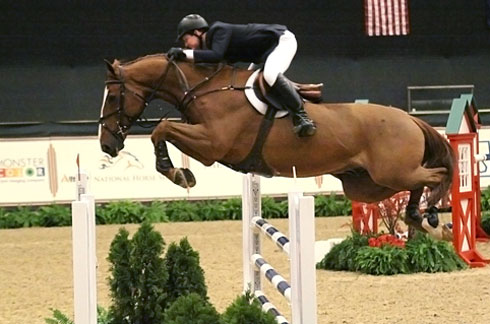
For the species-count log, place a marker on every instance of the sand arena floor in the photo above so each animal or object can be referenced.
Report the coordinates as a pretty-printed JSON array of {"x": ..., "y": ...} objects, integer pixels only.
[{"x": 36, "y": 274}]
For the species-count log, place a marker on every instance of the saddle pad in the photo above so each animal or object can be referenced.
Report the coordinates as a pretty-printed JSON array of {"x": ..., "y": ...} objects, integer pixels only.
[{"x": 258, "y": 104}]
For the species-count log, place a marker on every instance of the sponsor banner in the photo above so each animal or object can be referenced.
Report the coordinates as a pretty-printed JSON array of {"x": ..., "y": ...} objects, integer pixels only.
[
  {"x": 34, "y": 171},
  {"x": 43, "y": 171}
]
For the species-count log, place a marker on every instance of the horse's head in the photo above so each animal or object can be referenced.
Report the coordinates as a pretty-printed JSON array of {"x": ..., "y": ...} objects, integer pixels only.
[{"x": 121, "y": 107}]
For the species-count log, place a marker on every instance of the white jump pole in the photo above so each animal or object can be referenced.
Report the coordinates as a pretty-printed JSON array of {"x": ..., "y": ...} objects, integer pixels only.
[{"x": 84, "y": 257}]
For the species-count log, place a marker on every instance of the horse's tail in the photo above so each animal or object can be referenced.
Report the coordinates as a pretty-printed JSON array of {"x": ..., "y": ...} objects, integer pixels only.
[{"x": 438, "y": 153}]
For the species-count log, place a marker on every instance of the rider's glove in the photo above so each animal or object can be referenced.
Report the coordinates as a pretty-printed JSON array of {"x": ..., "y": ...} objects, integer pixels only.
[{"x": 176, "y": 53}]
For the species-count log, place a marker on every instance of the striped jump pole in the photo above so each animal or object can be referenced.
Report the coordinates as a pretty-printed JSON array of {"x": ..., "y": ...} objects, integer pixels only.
[
  {"x": 84, "y": 258},
  {"x": 301, "y": 294}
]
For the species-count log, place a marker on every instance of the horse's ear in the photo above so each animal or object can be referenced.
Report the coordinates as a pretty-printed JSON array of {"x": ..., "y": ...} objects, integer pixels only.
[{"x": 110, "y": 68}]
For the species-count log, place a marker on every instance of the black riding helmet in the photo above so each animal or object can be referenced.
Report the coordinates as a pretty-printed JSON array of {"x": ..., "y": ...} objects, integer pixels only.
[{"x": 189, "y": 23}]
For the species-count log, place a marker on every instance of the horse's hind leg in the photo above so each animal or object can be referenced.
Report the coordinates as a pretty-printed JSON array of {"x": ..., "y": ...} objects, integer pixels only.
[
  {"x": 359, "y": 186},
  {"x": 412, "y": 213}
]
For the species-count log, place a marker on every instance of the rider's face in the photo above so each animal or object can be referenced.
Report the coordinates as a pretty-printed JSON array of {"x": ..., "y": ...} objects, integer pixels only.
[{"x": 192, "y": 41}]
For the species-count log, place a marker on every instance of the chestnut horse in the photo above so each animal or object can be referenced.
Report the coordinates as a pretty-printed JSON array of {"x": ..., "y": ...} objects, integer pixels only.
[{"x": 376, "y": 151}]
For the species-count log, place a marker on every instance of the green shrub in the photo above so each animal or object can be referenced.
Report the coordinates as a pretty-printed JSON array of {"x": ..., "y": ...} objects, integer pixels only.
[
  {"x": 485, "y": 221},
  {"x": 22, "y": 216},
  {"x": 246, "y": 309},
  {"x": 156, "y": 212},
  {"x": 342, "y": 256},
  {"x": 103, "y": 317},
  {"x": 6, "y": 220},
  {"x": 332, "y": 205},
  {"x": 211, "y": 210},
  {"x": 120, "y": 212},
  {"x": 273, "y": 209},
  {"x": 428, "y": 255},
  {"x": 121, "y": 279},
  {"x": 421, "y": 254},
  {"x": 192, "y": 308},
  {"x": 182, "y": 211},
  {"x": 54, "y": 215},
  {"x": 485, "y": 199},
  {"x": 58, "y": 318},
  {"x": 233, "y": 208},
  {"x": 138, "y": 277},
  {"x": 149, "y": 274},
  {"x": 386, "y": 260},
  {"x": 185, "y": 275}
]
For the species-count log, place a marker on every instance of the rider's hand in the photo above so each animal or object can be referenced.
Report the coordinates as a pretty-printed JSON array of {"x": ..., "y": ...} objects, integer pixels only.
[{"x": 176, "y": 53}]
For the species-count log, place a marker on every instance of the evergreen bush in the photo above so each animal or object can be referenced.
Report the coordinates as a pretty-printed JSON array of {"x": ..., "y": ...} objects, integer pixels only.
[
  {"x": 149, "y": 274},
  {"x": 246, "y": 309},
  {"x": 121, "y": 279},
  {"x": 139, "y": 277},
  {"x": 192, "y": 308},
  {"x": 185, "y": 274}
]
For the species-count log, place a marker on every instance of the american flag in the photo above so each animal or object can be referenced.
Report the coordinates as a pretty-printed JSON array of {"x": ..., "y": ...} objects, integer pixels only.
[{"x": 386, "y": 17}]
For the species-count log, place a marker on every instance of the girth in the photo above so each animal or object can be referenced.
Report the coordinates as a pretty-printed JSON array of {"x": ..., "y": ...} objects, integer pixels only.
[{"x": 254, "y": 162}]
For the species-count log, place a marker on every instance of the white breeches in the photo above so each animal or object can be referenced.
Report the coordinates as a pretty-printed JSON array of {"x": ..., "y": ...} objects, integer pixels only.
[{"x": 280, "y": 58}]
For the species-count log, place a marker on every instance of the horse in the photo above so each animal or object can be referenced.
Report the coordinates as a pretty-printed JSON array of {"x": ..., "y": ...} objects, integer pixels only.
[{"x": 375, "y": 151}]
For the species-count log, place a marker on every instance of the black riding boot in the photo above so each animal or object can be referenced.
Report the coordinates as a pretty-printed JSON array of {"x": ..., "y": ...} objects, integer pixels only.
[{"x": 283, "y": 94}]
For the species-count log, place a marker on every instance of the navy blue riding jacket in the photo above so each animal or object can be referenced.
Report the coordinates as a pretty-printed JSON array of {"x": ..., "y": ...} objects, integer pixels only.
[{"x": 239, "y": 43}]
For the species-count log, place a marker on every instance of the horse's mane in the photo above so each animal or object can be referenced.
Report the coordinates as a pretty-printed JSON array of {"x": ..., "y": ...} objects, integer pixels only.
[
  {"x": 205, "y": 68},
  {"x": 129, "y": 62}
]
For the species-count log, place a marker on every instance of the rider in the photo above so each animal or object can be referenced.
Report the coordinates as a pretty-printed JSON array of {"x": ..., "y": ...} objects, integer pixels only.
[{"x": 273, "y": 45}]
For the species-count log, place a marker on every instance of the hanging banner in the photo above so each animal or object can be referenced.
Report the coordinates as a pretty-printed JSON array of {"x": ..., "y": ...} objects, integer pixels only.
[
  {"x": 44, "y": 171},
  {"x": 40, "y": 171}
]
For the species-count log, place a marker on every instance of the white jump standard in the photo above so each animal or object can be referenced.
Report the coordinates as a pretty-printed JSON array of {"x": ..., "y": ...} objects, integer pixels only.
[
  {"x": 300, "y": 248},
  {"x": 84, "y": 257}
]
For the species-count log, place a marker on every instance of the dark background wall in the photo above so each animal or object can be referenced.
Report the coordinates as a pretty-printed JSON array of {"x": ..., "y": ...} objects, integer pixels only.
[{"x": 51, "y": 52}]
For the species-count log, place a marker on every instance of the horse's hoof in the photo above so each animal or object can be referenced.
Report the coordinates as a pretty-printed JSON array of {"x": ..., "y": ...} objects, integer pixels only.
[
  {"x": 413, "y": 219},
  {"x": 432, "y": 217},
  {"x": 184, "y": 178}
]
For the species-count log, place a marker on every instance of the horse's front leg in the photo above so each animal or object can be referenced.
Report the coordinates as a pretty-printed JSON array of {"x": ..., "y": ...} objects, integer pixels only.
[
  {"x": 193, "y": 140},
  {"x": 180, "y": 176}
]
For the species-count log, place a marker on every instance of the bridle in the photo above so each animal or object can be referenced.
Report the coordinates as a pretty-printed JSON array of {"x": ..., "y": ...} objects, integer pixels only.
[
  {"x": 189, "y": 95},
  {"x": 122, "y": 129}
]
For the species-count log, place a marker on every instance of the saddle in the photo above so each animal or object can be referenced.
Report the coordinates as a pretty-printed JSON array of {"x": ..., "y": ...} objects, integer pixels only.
[
  {"x": 310, "y": 92},
  {"x": 254, "y": 161}
]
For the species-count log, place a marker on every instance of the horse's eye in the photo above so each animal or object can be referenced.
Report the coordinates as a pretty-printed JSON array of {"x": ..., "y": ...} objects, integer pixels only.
[{"x": 111, "y": 98}]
